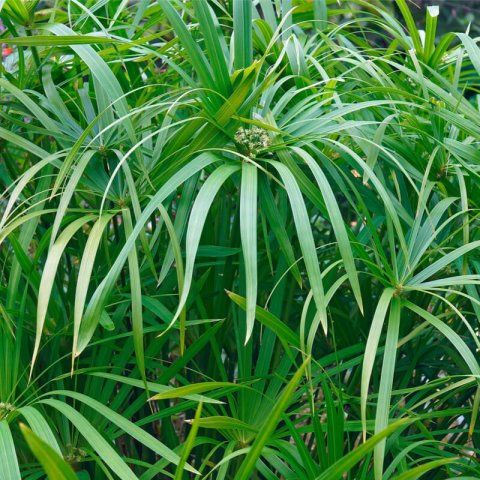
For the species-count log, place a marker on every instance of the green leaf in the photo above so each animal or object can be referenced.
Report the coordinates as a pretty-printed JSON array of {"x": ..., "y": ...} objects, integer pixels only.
[
  {"x": 472, "y": 50},
  {"x": 337, "y": 223},
  {"x": 277, "y": 223},
  {"x": 374, "y": 148},
  {"x": 371, "y": 351},
  {"x": 177, "y": 253},
  {"x": 21, "y": 184},
  {"x": 412, "y": 28},
  {"x": 189, "y": 443},
  {"x": 8, "y": 457},
  {"x": 26, "y": 144},
  {"x": 99, "y": 298},
  {"x": 40, "y": 427},
  {"x": 449, "y": 334},
  {"x": 195, "y": 54},
  {"x": 92, "y": 436},
  {"x": 32, "y": 106},
  {"x": 320, "y": 14},
  {"x": 268, "y": 427},
  {"x": 154, "y": 387},
  {"x": 242, "y": 31},
  {"x": 85, "y": 274},
  {"x": 193, "y": 389},
  {"x": 417, "y": 472},
  {"x": 443, "y": 262},
  {"x": 430, "y": 32},
  {"x": 61, "y": 40},
  {"x": 136, "y": 296},
  {"x": 213, "y": 37},
  {"x": 248, "y": 233},
  {"x": 305, "y": 238},
  {"x": 54, "y": 465},
  {"x": 125, "y": 425},
  {"x": 340, "y": 467},
  {"x": 226, "y": 423},
  {"x": 198, "y": 217},
  {"x": 272, "y": 322},
  {"x": 48, "y": 277},
  {"x": 386, "y": 383},
  {"x": 69, "y": 191}
]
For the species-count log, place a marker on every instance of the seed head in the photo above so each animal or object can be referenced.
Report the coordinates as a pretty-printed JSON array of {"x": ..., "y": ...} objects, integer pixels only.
[{"x": 251, "y": 140}]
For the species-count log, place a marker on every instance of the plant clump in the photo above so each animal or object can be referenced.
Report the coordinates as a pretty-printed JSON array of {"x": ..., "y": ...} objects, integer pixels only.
[{"x": 238, "y": 240}]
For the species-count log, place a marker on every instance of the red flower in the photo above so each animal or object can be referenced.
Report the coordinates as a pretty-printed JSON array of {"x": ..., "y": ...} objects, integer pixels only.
[{"x": 6, "y": 52}]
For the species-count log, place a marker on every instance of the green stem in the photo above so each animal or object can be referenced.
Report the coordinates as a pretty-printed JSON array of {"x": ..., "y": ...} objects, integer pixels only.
[{"x": 36, "y": 56}]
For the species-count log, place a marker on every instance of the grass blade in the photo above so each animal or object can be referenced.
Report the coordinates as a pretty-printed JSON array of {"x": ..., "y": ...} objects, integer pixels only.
[
  {"x": 242, "y": 27},
  {"x": 266, "y": 318},
  {"x": 248, "y": 233},
  {"x": 48, "y": 277},
  {"x": 40, "y": 427},
  {"x": 8, "y": 457},
  {"x": 85, "y": 274},
  {"x": 371, "y": 351},
  {"x": 193, "y": 389},
  {"x": 305, "y": 238},
  {"x": 386, "y": 382},
  {"x": 136, "y": 295},
  {"x": 189, "y": 443}
]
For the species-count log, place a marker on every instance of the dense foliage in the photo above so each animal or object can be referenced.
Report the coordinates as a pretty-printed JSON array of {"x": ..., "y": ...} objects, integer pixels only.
[{"x": 239, "y": 240}]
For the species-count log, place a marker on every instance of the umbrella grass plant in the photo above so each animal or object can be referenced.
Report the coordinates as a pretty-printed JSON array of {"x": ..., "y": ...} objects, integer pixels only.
[{"x": 239, "y": 239}]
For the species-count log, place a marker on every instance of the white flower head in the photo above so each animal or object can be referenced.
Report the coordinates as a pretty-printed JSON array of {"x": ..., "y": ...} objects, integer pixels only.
[{"x": 251, "y": 140}]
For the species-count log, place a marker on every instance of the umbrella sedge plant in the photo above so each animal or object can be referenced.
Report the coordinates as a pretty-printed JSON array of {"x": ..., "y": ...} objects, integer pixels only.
[{"x": 238, "y": 239}]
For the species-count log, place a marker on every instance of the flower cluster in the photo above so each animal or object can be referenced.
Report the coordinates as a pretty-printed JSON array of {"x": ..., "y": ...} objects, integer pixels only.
[
  {"x": 5, "y": 409},
  {"x": 412, "y": 82},
  {"x": 437, "y": 102},
  {"x": 251, "y": 140},
  {"x": 75, "y": 455}
]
